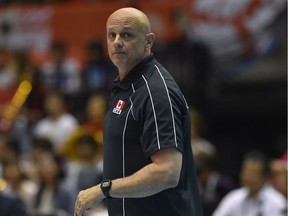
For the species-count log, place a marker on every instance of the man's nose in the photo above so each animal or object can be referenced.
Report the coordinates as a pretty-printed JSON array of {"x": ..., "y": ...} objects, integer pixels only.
[{"x": 118, "y": 42}]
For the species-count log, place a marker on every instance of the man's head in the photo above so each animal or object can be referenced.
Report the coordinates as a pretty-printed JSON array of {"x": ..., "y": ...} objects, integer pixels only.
[
  {"x": 255, "y": 171},
  {"x": 129, "y": 38},
  {"x": 55, "y": 104}
]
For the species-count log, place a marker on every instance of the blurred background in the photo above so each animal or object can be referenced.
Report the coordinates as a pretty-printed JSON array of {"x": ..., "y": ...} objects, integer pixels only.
[{"x": 229, "y": 58}]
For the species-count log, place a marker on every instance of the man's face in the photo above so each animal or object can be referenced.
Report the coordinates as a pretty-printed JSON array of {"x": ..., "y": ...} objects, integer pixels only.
[
  {"x": 126, "y": 42},
  {"x": 252, "y": 175}
]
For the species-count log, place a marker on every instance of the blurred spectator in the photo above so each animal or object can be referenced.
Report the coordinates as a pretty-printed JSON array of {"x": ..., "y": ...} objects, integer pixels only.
[
  {"x": 2, "y": 153},
  {"x": 21, "y": 99},
  {"x": 256, "y": 196},
  {"x": 98, "y": 71},
  {"x": 87, "y": 171},
  {"x": 62, "y": 73},
  {"x": 10, "y": 149},
  {"x": 59, "y": 124},
  {"x": 96, "y": 109},
  {"x": 279, "y": 174},
  {"x": 40, "y": 145},
  {"x": 197, "y": 131},
  {"x": 8, "y": 78},
  {"x": 13, "y": 173},
  {"x": 27, "y": 99},
  {"x": 213, "y": 185},
  {"x": 20, "y": 65},
  {"x": 11, "y": 202},
  {"x": 11, "y": 205},
  {"x": 193, "y": 64},
  {"x": 8, "y": 82},
  {"x": 200, "y": 145},
  {"x": 53, "y": 197},
  {"x": 19, "y": 184}
]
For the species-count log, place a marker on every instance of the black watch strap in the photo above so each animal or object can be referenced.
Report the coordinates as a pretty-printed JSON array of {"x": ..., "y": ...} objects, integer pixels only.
[{"x": 105, "y": 187}]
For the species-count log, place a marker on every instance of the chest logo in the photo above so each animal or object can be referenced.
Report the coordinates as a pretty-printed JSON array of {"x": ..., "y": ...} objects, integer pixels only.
[{"x": 119, "y": 107}]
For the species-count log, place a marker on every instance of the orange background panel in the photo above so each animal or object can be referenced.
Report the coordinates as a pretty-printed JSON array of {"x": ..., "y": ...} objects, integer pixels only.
[
  {"x": 78, "y": 24},
  {"x": 162, "y": 17}
]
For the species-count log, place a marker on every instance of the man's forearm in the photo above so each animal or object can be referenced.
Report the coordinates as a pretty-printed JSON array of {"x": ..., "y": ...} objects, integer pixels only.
[
  {"x": 145, "y": 182},
  {"x": 161, "y": 174},
  {"x": 151, "y": 179}
]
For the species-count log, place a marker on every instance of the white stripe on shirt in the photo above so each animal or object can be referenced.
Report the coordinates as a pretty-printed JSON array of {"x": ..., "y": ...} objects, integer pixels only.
[
  {"x": 171, "y": 108},
  {"x": 132, "y": 102},
  {"x": 123, "y": 153},
  {"x": 155, "y": 119}
]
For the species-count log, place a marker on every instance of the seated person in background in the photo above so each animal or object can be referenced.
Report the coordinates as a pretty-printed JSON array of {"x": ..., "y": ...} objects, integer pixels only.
[
  {"x": 40, "y": 145},
  {"x": 279, "y": 174},
  {"x": 11, "y": 205},
  {"x": 213, "y": 185},
  {"x": 256, "y": 196},
  {"x": 87, "y": 170},
  {"x": 61, "y": 72},
  {"x": 98, "y": 73},
  {"x": 19, "y": 184},
  {"x": 198, "y": 142},
  {"x": 53, "y": 196},
  {"x": 58, "y": 124},
  {"x": 96, "y": 109},
  {"x": 9, "y": 149},
  {"x": 8, "y": 77}
]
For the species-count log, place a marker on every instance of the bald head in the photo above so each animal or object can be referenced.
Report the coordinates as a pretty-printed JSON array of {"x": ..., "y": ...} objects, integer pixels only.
[
  {"x": 134, "y": 14},
  {"x": 129, "y": 38}
]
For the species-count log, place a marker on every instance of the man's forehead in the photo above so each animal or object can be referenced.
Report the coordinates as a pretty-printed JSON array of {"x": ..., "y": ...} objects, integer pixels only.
[
  {"x": 127, "y": 13},
  {"x": 125, "y": 24},
  {"x": 122, "y": 28}
]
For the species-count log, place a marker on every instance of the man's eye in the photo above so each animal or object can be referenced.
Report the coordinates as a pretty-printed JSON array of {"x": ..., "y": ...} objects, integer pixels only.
[
  {"x": 111, "y": 36},
  {"x": 127, "y": 36}
]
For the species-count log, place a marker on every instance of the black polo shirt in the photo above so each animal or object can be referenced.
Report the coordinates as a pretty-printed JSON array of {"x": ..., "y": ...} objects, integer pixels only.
[{"x": 147, "y": 113}]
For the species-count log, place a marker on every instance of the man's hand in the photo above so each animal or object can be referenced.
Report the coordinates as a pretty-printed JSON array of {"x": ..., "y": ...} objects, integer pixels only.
[{"x": 87, "y": 199}]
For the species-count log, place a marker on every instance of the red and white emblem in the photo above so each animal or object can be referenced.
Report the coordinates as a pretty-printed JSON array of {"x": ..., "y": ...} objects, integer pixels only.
[{"x": 119, "y": 107}]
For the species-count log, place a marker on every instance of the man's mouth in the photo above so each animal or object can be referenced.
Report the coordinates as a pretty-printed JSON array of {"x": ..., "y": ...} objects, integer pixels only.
[{"x": 119, "y": 53}]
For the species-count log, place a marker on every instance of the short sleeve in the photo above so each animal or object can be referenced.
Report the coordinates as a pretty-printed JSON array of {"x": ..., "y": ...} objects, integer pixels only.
[{"x": 161, "y": 117}]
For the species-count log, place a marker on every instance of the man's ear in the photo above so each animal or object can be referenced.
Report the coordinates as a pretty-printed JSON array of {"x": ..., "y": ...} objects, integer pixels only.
[{"x": 150, "y": 38}]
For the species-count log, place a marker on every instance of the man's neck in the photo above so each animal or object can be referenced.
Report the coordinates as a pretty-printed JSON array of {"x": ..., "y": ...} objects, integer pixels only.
[{"x": 123, "y": 72}]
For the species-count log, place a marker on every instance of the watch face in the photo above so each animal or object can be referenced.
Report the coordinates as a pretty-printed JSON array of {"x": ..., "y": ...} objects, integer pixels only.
[
  {"x": 105, "y": 187},
  {"x": 106, "y": 184}
]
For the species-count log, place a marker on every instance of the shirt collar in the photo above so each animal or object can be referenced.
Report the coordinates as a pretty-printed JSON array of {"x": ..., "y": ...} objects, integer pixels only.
[
  {"x": 135, "y": 73},
  {"x": 260, "y": 194}
]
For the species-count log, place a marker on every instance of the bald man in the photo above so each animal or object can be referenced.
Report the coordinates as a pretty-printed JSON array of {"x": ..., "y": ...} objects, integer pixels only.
[{"x": 148, "y": 163}]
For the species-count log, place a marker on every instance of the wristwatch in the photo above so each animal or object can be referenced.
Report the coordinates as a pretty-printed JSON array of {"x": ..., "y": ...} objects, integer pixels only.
[{"x": 105, "y": 187}]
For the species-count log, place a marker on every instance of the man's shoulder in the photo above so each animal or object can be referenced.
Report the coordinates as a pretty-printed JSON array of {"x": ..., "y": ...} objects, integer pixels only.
[
  {"x": 237, "y": 194},
  {"x": 274, "y": 196},
  {"x": 157, "y": 76},
  {"x": 155, "y": 69},
  {"x": 67, "y": 119},
  {"x": 44, "y": 122}
]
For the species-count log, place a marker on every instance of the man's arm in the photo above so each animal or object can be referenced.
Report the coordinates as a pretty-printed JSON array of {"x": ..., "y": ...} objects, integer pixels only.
[{"x": 161, "y": 174}]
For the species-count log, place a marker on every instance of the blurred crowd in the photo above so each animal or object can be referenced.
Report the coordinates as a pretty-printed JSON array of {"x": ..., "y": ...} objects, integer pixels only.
[
  {"x": 51, "y": 117},
  {"x": 261, "y": 187},
  {"x": 51, "y": 141}
]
